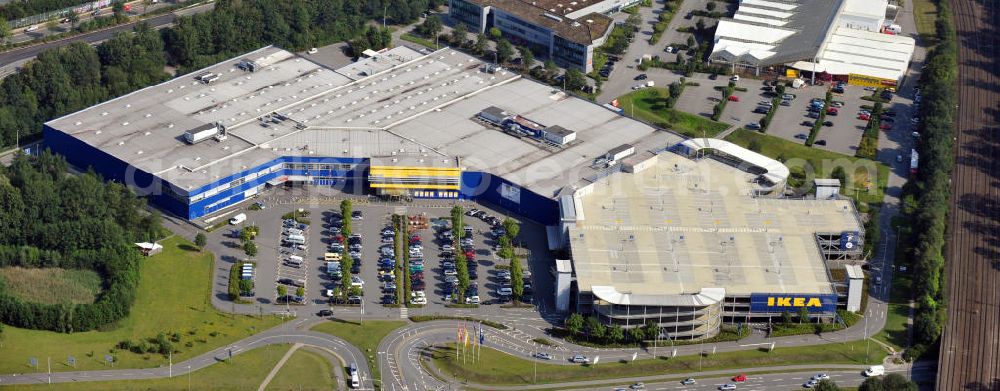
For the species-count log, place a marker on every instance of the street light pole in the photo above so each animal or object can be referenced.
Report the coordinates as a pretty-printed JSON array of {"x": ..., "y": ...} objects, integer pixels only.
[{"x": 384, "y": 10}]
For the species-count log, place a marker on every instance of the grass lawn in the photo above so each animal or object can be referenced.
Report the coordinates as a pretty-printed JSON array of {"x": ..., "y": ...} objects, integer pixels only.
[
  {"x": 800, "y": 157},
  {"x": 924, "y": 15},
  {"x": 305, "y": 370},
  {"x": 648, "y": 104},
  {"x": 173, "y": 296},
  {"x": 418, "y": 40},
  {"x": 365, "y": 337},
  {"x": 52, "y": 285},
  {"x": 246, "y": 372},
  {"x": 897, "y": 313},
  {"x": 497, "y": 368}
]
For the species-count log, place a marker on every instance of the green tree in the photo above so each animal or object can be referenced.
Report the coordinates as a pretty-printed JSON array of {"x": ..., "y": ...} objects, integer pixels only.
[
  {"x": 512, "y": 227},
  {"x": 527, "y": 57},
  {"x": 803, "y": 314},
  {"x": 505, "y": 51},
  {"x": 282, "y": 291},
  {"x": 826, "y": 385},
  {"x": 346, "y": 210},
  {"x": 594, "y": 328},
  {"x": 4, "y": 31},
  {"x": 200, "y": 240},
  {"x": 574, "y": 323},
  {"x": 250, "y": 248},
  {"x": 459, "y": 34},
  {"x": 480, "y": 46},
  {"x": 636, "y": 334},
  {"x": 691, "y": 43},
  {"x": 431, "y": 26},
  {"x": 495, "y": 33},
  {"x": 651, "y": 330},
  {"x": 300, "y": 291},
  {"x": 118, "y": 8},
  {"x": 839, "y": 174},
  {"x": 74, "y": 19},
  {"x": 615, "y": 333},
  {"x": 890, "y": 382},
  {"x": 710, "y": 6},
  {"x": 575, "y": 80},
  {"x": 786, "y": 317},
  {"x": 516, "y": 278}
]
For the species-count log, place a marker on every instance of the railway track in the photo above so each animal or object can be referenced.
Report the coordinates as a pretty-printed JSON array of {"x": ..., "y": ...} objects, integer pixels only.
[{"x": 970, "y": 344}]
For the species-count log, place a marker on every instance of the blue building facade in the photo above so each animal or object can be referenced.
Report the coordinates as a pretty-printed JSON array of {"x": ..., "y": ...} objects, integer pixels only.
[{"x": 344, "y": 173}]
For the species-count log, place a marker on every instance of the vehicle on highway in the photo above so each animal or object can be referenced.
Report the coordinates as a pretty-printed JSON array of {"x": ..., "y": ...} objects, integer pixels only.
[
  {"x": 638, "y": 386},
  {"x": 689, "y": 381},
  {"x": 730, "y": 386},
  {"x": 740, "y": 378},
  {"x": 542, "y": 355},
  {"x": 821, "y": 376},
  {"x": 578, "y": 359},
  {"x": 875, "y": 370},
  {"x": 324, "y": 313},
  {"x": 810, "y": 384}
]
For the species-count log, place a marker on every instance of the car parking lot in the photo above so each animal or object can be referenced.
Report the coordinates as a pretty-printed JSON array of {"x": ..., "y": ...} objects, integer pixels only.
[{"x": 283, "y": 260}]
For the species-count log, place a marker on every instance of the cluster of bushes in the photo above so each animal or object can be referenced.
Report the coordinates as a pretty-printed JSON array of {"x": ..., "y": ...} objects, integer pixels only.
[
  {"x": 869, "y": 139},
  {"x": 429, "y": 318},
  {"x": 931, "y": 187},
  {"x": 663, "y": 20},
  {"x": 674, "y": 91},
  {"x": 775, "y": 103},
  {"x": 461, "y": 263},
  {"x": 591, "y": 330},
  {"x": 160, "y": 344},
  {"x": 814, "y": 132},
  {"x": 49, "y": 219},
  {"x": 727, "y": 91},
  {"x": 239, "y": 287}
]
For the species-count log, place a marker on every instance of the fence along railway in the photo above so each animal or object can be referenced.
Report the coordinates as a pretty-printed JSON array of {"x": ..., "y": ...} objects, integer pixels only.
[{"x": 970, "y": 344}]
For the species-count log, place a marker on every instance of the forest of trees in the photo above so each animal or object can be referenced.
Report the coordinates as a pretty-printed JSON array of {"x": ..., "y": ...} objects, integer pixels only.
[
  {"x": 50, "y": 219},
  {"x": 24, "y": 8},
  {"x": 67, "y": 79},
  {"x": 931, "y": 189}
]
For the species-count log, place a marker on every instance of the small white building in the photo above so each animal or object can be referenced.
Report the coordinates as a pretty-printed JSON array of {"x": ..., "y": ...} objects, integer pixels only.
[
  {"x": 620, "y": 152},
  {"x": 855, "y": 287},
  {"x": 827, "y": 188},
  {"x": 558, "y": 135}
]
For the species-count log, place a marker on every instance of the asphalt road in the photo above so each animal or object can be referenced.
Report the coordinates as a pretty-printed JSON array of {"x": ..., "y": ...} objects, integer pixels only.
[{"x": 95, "y": 37}]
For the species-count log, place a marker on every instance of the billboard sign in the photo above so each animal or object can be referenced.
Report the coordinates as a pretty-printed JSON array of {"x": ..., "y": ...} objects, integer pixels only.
[
  {"x": 849, "y": 240},
  {"x": 791, "y": 302},
  {"x": 511, "y": 193}
]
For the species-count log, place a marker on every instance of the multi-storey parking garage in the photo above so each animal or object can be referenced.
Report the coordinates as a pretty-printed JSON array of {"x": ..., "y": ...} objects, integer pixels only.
[{"x": 687, "y": 233}]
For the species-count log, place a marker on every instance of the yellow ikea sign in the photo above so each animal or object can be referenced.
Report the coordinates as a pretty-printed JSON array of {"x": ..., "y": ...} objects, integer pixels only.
[{"x": 793, "y": 302}]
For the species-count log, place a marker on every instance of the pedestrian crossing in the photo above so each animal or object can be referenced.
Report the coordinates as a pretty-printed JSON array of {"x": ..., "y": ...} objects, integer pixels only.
[{"x": 403, "y": 312}]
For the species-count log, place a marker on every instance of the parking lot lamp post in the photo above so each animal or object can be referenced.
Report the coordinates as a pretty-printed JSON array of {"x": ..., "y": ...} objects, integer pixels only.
[{"x": 362, "y": 312}]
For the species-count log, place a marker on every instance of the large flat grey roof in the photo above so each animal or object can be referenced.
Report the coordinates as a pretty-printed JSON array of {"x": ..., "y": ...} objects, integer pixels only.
[{"x": 412, "y": 104}]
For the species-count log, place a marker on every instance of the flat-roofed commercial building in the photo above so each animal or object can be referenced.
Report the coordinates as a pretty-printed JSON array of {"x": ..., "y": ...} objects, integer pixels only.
[
  {"x": 690, "y": 244},
  {"x": 566, "y": 31},
  {"x": 846, "y": 40}
]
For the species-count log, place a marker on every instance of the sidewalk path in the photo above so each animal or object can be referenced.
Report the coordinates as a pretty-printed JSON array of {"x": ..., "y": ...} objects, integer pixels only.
[{"x": 277, "y": 367}]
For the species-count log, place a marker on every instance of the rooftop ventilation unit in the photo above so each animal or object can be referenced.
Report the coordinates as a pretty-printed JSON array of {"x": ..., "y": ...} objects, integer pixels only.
[{"x": 553, "y": 17}]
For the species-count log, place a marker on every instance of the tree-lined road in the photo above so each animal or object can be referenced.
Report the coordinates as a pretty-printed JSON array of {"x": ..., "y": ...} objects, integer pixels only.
[{"x": 95, "y": 37}]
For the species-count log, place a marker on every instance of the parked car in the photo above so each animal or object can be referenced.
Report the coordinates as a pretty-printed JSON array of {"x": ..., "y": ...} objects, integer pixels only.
[
  {"x": 820, "y": 142},
  {"x": 801, "y": 136},
  {"x": 734, "y": 98},
  {"x": 642, "y": 76},
  {"x": 753, "y": 126},
  {"x": 827, "y": 123},
  {"x": 735, "y": 78}
]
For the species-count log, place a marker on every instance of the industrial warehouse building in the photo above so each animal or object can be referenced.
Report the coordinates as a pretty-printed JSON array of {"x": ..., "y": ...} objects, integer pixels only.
[
  {"x": 846, "y": 40},
  {"x": 687, "y": 233},
  {"x": 567, "y": 31}
]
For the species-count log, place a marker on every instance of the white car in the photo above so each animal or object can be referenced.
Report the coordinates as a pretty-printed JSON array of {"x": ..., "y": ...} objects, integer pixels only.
[
  {"x": 730, "y": 386},
  {"x": 735, "y": 78},
  {"x": 580, "y": 359},
  {"x": 418, "y": 300},
  {"x": 821, "y": 376},
  {"x": 313, "y": 51},
  {"x": 810, "y": 384},
  {"x": 357, "y": 281},
  {"x": 543, "y": 356}
]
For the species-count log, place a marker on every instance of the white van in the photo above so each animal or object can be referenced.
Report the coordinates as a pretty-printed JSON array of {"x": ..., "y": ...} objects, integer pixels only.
[
  {"x": 238, "y": 219},
  {"x": 294, "y": 260},
  {"x": 355, "y": 378},
  {"x": 295, "y": 239},
  {"x": 875, "y": 370},
  {"x": 294, "y": 231}
]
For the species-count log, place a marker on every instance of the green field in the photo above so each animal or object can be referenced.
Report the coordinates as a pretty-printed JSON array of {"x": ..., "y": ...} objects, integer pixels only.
[
  {"x": 924, "y": 15},
  {"x": 305, "y": 370},
  {"x": 648, "y": 105},
  {"x": 52, "y": 285},
  {"x": 173, "y": 296},
  {"x": 418, "y": 40},
  {"x": 246, "y": 372},
  {"x": 497, "y": 368},
  {"x": 799, "y": 157},
  {"x": 365, "y": 337}
]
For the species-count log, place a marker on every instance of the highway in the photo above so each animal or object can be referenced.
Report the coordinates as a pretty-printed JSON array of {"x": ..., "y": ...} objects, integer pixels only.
[{"x": 95, "y": 37}]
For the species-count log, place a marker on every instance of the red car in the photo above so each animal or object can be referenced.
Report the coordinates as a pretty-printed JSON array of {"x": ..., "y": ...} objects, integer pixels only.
[
  {"x": 338, "y": 238},
  {"x": 832, "y": 111},
  {"x": 470, "y": 255},
  {"x": 415, "y": 238},
  {"x": 864, "y": 117},
  {"x": 734, "y": 98},
  {"x": 885, "y": 126},
  {"x": 740, "y": 378}
]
